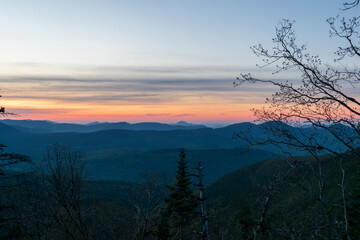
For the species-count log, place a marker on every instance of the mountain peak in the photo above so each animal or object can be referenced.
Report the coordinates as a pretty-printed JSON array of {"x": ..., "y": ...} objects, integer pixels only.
[
  {"x": 183, "y": 123},
  {"x": 93, "y": 123}
]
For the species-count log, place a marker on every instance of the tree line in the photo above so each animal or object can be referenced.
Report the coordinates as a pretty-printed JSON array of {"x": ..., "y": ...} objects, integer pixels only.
[{"x": 51, "y": 203}]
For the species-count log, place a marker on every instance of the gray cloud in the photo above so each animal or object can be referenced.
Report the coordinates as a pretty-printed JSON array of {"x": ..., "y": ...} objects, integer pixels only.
[
  {"x": 106, "y": 84},
  {"x": 185, "y": 115},
  {"x": 35, "y": 111},
  {"x": 94, "y": 98},
  {"x": 105, "y": 89},
  {"x": 117, "y": 69}
]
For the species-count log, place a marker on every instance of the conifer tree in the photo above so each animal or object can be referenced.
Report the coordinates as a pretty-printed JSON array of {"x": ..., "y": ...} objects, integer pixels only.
[
  {"x": 181, "y": 202},
  {"x": 163, "y": 232}
]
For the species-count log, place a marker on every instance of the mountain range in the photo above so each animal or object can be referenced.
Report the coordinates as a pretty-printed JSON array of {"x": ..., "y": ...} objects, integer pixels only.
[
  {"x": 122, "y": 154},
  {"x": 43, "y": 126}
]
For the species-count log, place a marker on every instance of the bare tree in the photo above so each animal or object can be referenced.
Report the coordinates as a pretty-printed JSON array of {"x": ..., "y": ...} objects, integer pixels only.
[
  {"x": 146, "y": 203},
  {"x": 319, "y": 99},
  {"x": 203, "y": 203},
  {"x": 62, "y": 176},
  {"x": 349, "y": 5}
]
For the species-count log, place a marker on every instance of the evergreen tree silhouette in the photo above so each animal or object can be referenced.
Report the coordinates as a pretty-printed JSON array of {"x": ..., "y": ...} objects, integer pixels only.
[{"x": 181, "y": 203}]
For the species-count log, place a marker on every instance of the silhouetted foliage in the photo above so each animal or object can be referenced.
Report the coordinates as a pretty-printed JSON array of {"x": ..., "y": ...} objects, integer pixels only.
[
  {"x": 63, "y": 176},
  {"x": 181, "y": 203},
  {"x": 147, "y": 201},
  {"x": 163, "y": 231},
  {"x": 9, "y": 229},
  {"x": 348, "y": 5},
  {"x": 319, "y": 100}
]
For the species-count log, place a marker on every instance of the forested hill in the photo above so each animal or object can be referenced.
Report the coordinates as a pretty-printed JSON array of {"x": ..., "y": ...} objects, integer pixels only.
[
  {"x": 125, "y": 154},
  {"x": 118, "y": 154},
  {"x": 34, "y": 144},
  {"x": 128, "y": 165},
  {"x": 205, "y": 138},
  {"x": 279, "y": 193}
]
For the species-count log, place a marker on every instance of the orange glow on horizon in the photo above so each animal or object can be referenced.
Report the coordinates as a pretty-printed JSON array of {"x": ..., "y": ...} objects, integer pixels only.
[
  {"x": 131, "y": 101},
  {"x": 76, "y": 112}
]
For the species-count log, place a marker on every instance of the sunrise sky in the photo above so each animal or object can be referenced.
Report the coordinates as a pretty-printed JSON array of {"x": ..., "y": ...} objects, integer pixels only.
[{"x": 149, "y": 60}]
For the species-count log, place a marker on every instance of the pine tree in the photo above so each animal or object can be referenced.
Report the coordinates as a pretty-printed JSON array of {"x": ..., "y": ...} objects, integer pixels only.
[
  {"x": 163, "y": 232},
  {"x": 181, "y": 202}
]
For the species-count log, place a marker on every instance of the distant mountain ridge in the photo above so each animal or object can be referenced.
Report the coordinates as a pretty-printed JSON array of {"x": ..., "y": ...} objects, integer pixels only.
[
  {"x": 19, "y": 139},
  {"x": 43, "y": 126},
  {"x": 153, "y": 150},
  {"x": 118, "y": 154}
]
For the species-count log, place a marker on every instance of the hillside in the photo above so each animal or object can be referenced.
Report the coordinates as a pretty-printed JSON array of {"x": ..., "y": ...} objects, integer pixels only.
[
  {"x": 240, "y": 195},
  {"x": 34, "y": 144},
  {"x": 127, "y": 165},
  {"x": 123, "y": 154}
]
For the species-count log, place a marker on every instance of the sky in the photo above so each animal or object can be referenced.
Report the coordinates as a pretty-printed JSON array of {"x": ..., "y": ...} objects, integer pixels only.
[{"x": 146, "y": 60}]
